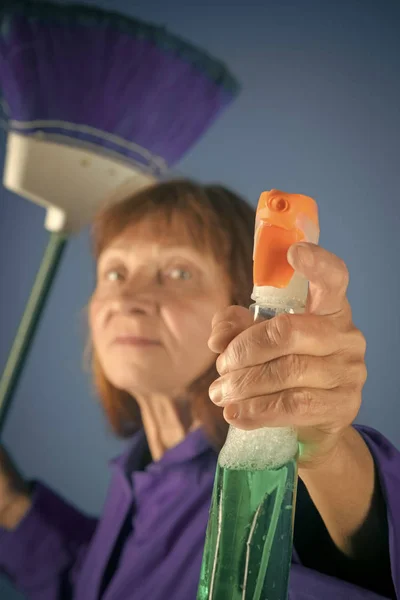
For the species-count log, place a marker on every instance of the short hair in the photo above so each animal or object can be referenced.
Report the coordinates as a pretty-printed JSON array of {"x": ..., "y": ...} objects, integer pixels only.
[{"x": 217, "y": 221}]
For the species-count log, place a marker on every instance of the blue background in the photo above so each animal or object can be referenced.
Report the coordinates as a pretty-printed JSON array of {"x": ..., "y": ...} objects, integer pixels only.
[{"x": 319, "y": 114}]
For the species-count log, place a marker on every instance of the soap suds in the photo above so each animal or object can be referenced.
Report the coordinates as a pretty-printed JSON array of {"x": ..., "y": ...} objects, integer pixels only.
[{"x": 266, "y": 448}]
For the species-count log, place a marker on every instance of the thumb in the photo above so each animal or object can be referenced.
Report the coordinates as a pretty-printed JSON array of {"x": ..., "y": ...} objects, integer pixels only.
[
  {"x": 327, "y": 275},
  {"x": 226, "y": 325}
]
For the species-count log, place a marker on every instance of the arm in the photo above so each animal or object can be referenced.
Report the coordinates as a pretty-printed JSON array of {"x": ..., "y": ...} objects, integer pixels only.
[
  {"x": 307, "y": 371},
  {"x": 343, "y": 509},
  {"x": 43, "y": 541}
]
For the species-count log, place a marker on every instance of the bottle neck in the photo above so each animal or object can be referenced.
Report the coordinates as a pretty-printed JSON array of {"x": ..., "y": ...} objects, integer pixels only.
[{"x": 291, "y": 299}]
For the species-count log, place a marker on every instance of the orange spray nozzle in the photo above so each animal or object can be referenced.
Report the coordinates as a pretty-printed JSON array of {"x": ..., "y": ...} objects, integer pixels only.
[{"x": 281, "y": 220}]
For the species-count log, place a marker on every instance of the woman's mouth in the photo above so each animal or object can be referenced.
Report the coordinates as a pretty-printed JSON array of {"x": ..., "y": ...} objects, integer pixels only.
[{"x": 133, "y": 340}]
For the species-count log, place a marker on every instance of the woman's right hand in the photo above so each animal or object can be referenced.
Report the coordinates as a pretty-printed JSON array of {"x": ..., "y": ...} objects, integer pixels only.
[{"x": 15, "y": 496}]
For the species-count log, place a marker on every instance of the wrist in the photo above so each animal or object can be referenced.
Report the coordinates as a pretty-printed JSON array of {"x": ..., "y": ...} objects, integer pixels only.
[
  {"x": 343, "y": 490},
  {"x": 350, "y": 464},
  {"x": 332, "y": 461}
]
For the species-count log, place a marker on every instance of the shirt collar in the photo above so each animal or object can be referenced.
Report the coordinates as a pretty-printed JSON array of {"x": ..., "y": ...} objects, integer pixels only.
[{"x": 194, "y": 445}]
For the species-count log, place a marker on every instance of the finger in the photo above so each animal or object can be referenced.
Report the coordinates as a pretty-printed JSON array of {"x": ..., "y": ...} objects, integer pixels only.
[
  {"x": 327, "y": 274},
  {"x": 301, "y": 407},
  {"x": 292, "y": 371},
  {"x": 288, "y": 334},
  {"x": 226, "y": 325}
]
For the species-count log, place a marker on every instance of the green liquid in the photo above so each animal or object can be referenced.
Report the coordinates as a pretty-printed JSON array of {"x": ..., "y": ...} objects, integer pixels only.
[{"x": 248, "y": 547}]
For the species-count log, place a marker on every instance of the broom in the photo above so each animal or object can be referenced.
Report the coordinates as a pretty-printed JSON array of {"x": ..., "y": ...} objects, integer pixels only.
[{"x": 92, "y": 100}]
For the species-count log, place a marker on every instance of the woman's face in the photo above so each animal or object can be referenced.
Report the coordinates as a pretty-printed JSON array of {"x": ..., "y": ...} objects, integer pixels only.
[{"x": 151, "y": 312}]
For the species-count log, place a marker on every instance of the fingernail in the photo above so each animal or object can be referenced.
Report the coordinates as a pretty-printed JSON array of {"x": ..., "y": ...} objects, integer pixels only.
[
  {"x": 232, "y": 412},
  {"x": 215, "y": 392},
  {"x": 302, "y": 253},
  {"x": 221, "y": 364},
  {"x": 223, "y": 327}
]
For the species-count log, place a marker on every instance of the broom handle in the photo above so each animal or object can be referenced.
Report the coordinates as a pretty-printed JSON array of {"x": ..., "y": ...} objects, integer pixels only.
[{"x": 29, "y": 322}]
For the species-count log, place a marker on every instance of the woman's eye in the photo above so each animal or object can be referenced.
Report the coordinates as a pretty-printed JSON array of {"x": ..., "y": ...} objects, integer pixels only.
[
  {"x": 180, "y": 274},
  {"x": 114, "y": 275}
]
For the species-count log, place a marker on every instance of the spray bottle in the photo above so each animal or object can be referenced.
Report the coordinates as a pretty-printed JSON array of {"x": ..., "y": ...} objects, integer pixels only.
[{"x": 248, "y": 547}]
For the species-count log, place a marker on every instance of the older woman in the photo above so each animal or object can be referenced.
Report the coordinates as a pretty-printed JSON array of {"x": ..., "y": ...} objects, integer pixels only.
[{"x": 170, "y": 261}]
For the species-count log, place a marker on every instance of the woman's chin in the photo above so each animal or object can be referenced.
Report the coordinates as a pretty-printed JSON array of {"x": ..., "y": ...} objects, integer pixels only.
[
  {"x": 144, "y": 375},
  {"x": 142, "y": 381}
]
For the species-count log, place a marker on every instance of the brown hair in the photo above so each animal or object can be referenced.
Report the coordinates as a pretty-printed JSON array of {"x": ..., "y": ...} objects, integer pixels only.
[{"x": 217, "y": 221}]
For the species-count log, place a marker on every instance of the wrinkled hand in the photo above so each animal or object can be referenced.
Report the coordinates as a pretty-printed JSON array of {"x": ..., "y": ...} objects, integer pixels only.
[{"x": 306, "y": 371}]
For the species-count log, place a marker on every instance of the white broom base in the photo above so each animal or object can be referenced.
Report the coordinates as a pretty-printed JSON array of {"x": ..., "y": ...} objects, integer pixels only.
[{"x": 71, "y": 183}]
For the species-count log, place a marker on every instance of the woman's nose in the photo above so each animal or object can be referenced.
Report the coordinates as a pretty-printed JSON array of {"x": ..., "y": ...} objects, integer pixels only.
[{"x": 137, "y": 301}]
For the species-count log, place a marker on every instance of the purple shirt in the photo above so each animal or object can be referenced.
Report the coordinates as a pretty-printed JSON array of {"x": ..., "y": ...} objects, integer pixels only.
[{"x": 149, "y": 541}]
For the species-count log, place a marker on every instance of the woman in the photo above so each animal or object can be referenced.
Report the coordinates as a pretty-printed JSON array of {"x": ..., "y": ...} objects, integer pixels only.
[{"x": 170, "y": 261}]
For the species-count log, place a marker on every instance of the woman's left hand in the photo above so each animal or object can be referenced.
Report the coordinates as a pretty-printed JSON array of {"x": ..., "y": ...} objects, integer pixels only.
[{"x": 305, "y": 371}]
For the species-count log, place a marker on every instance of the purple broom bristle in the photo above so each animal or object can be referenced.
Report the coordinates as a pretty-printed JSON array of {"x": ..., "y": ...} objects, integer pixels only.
[{"x": 92, "y": 78}]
